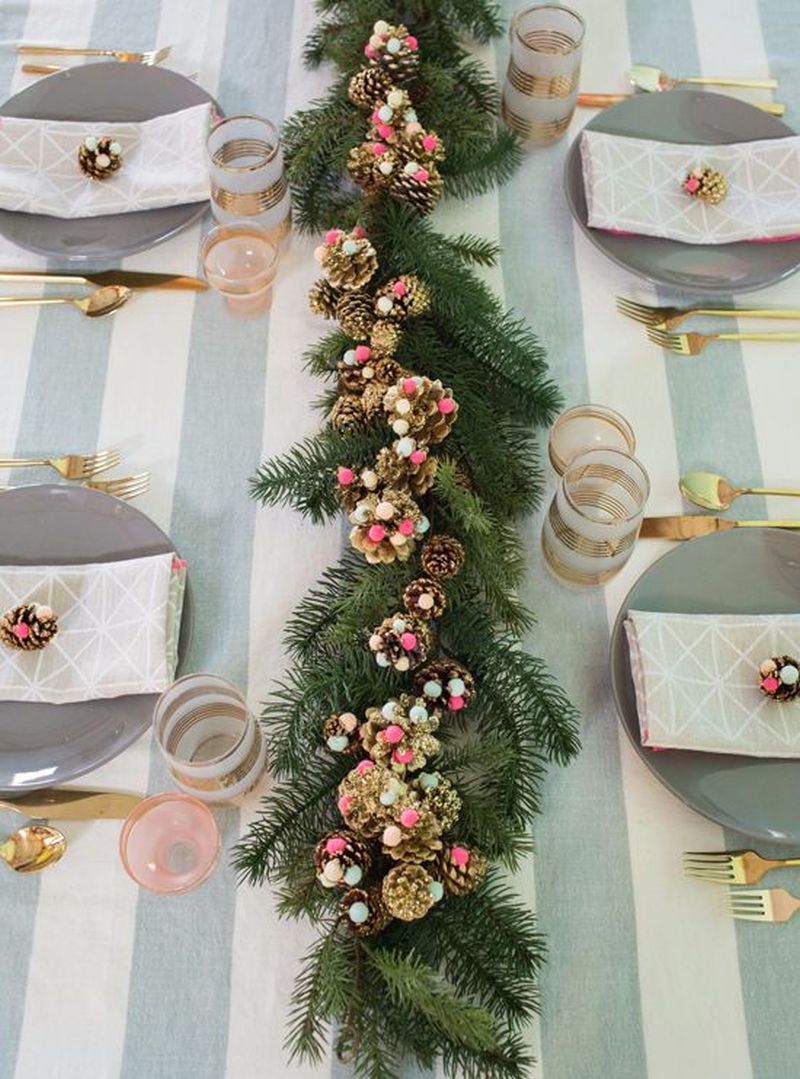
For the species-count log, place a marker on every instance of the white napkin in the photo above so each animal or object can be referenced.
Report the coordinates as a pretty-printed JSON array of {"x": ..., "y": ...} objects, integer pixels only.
[
  {"x": 117, "y": 629},
  {"x": 696, "y": 679},
  {"x": 164, "y": 164},
  {"x": 634, "y": 185}
]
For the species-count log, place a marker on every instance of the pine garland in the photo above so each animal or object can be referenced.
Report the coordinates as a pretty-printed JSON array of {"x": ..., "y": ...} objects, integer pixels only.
[{"x": 457, "y": 463}]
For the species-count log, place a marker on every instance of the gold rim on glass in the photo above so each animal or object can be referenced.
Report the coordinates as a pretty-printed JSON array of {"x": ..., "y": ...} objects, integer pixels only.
[
  {"x": 549, "y": 41},
  {"x": 227, "y": 152},
  {"x": 540, "y": 86},
  {"x": 606, "y": 470},
  {"x": 250, "y": 203},
  {"x": 590, "y": 412},
  {"x": 536, "y": 130}
]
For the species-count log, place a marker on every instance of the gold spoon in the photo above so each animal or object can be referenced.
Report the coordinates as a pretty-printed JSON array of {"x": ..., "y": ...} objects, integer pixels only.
[
  {"x": 33, "y": 847},
  {"x": 98, "y": 303},
  {"x": 652, "y": 79},
  {"x": 714, "y": 492}
]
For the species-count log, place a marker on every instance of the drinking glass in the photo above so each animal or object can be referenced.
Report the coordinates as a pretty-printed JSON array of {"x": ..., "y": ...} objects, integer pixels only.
[
  {"x": 212, "y": 743},
  {"x": 544, "y": 67},
  {"x": 170, "y": 844},
  {"x": 587, "y": 427},
  {"x": 241, "y": 263},
  {"x": 595, "y": 516},
  {"x": 247, "y": 174}
]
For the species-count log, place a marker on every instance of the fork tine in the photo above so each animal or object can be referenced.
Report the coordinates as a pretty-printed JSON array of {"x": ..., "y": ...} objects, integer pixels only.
[
  {"x": 720, "y": 878},
  {"x": 100, "y": 462},
  {"x": 707, "y": 856},
  {"x": 634, "y": 309}
]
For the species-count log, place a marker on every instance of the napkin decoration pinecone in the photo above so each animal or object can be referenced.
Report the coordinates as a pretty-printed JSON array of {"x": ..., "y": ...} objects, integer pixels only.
[
  {"x": 364, "y": 911},
  {"x": 706, "y": 184},
  {"x": 348, "y": 259},
  {"x": 460, "y": 869},
  {"x": 408, "y": 892},
  {"x": 779, "y": 678},
  {"x": 342, "y": 859},
  {"x": 401, "y": 641},
  {"x": 442, "y": 557},
  {"x": 99, "y": 157},
  {"x": 28, "y": 627}
]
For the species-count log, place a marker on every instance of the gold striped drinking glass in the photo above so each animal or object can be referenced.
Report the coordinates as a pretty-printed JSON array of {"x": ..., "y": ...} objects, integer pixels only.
[
  {"x": 248, "y": 180},
  {"x": 595, "y": 516},
  {"x": 544, "y": 67}
]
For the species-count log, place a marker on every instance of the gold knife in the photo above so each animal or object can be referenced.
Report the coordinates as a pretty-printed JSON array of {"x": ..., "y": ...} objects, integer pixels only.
[
  {"x": 687, "y": 526},
  {"x": 131, "y": 278},
  {"x": 74, "y": 804}
]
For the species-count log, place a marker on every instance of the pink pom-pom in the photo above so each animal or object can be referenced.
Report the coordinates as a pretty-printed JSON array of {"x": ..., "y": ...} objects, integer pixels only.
[
  {"x": 768, "y": 684},
  {"x": 408, "y": 641},
  {"x": 399, "y": 288},
  {"x": 364, "y": 766},
  {"x": 21, "y": 631},
  {"x": 335, "y": 844},
  {"x": 331, "y": 236},
  {"x": 430, "y": 142},
  {"x": 692, "y": 184},
  {"x": 344, "y": 804},
  {"x": 455, "y": 704},
  {"x": 369, "y": 51},
  {"x": 406, "y": 527},
  {"x": 418, "y": 456},
  {"x": 409, "y": 386},
  {"x": 446, "y": 405},
  {"x": 363, "y": 353},
  {"x": 376, "y": 533},
  {"x": 345, "y": 476},
  {"x": 421, "y": 176},
  {"x": 385, "y": 131},
  {"x": 403, "y": 756},
  {"x": 393, "y": 734},
  {"x": 379, "y": 148},
  {"x": 409, "y": 817},
  {"x": 459, "y": 856},
  {"x": 375, "y": 118},
  {"x": 411, "y": 43},
  {"x": 358, "y": 232}
]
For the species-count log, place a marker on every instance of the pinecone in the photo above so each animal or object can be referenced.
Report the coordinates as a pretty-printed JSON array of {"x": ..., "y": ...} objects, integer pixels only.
[
  {"x": 393, "y": 50},
  {"x": 372, "y": 399},
  {"x": 401, "y": 298},
  {"x": 340, "y": 731},
  {"x": 442, "y": 557},
  {"x": 384, "y": 338},
  {"x": 364, "y": 168},
  {"x": 355, "y": 314},
  {"x": 460, "y": 869},
  {"x": 342, "y": 859},
  {"x": 400, "y": 734},
  {"x": 388, "y": 370},
  {"x": 99, "y": 157},
  {"x": 351, "y": 381},
  {"x": 368, "y": 87},
  {"x": 706, "y": 184},
  {"x": 392, "y": 116},
  {"x": 423, "y": 146},
  {"x": 353, "y": 488},
  {"x": 407, "y": 892},
  {"x": 421, "y": 190},
  {"x": 419, "y": 842},
  {"x": 445, "y": 684},
  {"x": 440, "y": 796},
  {"x": 779, "y": 678},
  {"x": 401, "y": 641},
  {"x": 385, "y": 525},
  {"x": 349, "y": 261},
  {"x": 415, "y": 473},
  {"x": 323, "y": 298},
  {"x": 347, "y": 413},
  {"x": 28, "y": 627},
  {"x": 360, "y": 798},
  {"x": 420, "y": 407},
  {"x": 425, "y": 598},
  {"x": 365, "y": 911}
]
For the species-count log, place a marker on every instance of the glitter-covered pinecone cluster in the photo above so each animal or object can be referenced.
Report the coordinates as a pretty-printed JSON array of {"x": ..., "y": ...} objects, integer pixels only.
[
  {"x": 420, "y": 408},
  {"x": 386, "y": 525},
  {"x": 400, "y": 734},
  {"x": 393, "y": 50},
  {"x": 28, "y": 627},
  {"x": 389, "y": 471}
]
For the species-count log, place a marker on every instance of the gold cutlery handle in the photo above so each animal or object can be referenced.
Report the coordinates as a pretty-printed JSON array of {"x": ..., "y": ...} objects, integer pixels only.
[
  {"x": 21, "y": 462},
  {"x": 774, "y": 108},
  {"x": 601, "y": 101},
  {"x": 28, "y": 301},
  {"x": 789, "y": 492},
  {"x": 785, "y": 336},
  {"x": 41, "y": 69},
  {"x": 58, "y": 50},
  {"x": 742, "y": 312},
  {"x": 766, "y": 524},
  {"x": 753, "y": 84},
  {"x": 43, "y": 278}
]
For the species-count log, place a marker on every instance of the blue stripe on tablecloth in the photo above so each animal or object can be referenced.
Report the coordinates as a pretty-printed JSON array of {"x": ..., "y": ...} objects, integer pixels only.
[
  {"x": 584, "y": 819},
  {"x": 179, "y": 998}
]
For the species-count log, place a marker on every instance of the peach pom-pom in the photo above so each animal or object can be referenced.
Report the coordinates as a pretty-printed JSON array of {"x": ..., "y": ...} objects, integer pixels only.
[
  {"x": 364, "y": 766},
  {"x": 459, "y": 856},
  {"x": 345, "y": 476},
  {"x": 393, "y": 734},
  {"x": 335, "y": 845},
  {"x": 446, "y": 405},
  {"x": 369, "y": 51},
  {"x": 409, "y": 817},
  {"x": 391, "y": 836},
  {"x": 319, "y": 253}
]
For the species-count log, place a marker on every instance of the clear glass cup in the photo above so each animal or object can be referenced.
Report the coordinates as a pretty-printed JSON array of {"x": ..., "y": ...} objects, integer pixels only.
[
  {"x": 170, "y": 844},
  {"x": 595, "y": 516},
  {"x": 541, "y": 85},
  {"x": 248, "y": 179},
  {"x": 212, "y": 743},
  {"x": 587, "y": 427},
  {"x": 241, "y": 262}
]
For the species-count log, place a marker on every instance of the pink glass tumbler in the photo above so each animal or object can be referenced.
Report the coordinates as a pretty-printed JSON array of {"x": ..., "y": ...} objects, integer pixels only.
[{"x": 170, "y": 843}]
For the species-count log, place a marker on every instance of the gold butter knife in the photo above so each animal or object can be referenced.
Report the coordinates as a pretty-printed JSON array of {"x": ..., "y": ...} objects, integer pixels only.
[
  {"x": 130, "y": 278},
  {"x": 74, "y": 804},
  {"x": 687, "y": 526}
]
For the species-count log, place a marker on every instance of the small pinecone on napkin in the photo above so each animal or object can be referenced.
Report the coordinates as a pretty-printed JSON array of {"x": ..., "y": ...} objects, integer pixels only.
[
  {"x": 425, "y": 597},
  {"x": 355, "y": 314},
  {"x": 99, "y": 157},
  {"x": 706, "y": 184},
  {"x": 323, "y": 299},
  {"x": 442, "y": 557},
  {"x": 779, "y": 678},
  {"x": 364, "y": 911},
  {"x": 368, "y": 86},
  {"x": 348, "y": 414},
  {"x": 421, "y": 194},
  {"x": 407, "y": 892},
  {"x": 28, "y": 627},
  {"x": 460, "y": 869},
  {"x": 342, "y": 859}
]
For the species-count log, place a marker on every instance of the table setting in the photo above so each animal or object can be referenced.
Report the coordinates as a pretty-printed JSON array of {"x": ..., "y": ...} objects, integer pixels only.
[{"x": 399, "y": 642}]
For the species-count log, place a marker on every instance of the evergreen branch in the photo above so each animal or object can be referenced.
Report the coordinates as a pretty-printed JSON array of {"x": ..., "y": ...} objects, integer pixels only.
[
  {"x": 321, "y": 993},
  {"x": 473, "y": 249}
]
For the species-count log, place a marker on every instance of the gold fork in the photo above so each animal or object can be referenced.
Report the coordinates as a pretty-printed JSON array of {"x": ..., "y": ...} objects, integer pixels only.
[
  {"x": 73, "y": 466},
  {"x": 667, "y": 318},
  {"x": 150, "y": 58},
  {"x": 762, "y": 905},
  {"x": 690, "y": 344},
  {"x": 731, "y": 867}
]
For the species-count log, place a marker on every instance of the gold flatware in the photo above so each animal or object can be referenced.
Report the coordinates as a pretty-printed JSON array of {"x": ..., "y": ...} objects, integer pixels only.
[
  {"x": 124, "y": 487},
  {"x": 713, "y": 492},
  {"x": 134, "y": 279},
  {"x": 604, "y": 101},
  {"x": 73, "y": 466},
  {"x": 687, "y": 526},
  {"x": 54, "y": 69},
  {"x": 63, "y": 803},
  {"x": 667, "y": 318},
  {"x": 691, "y": 344},
  {"x": 762, "y": 905},
  {"x": 652, "y": 79},
  {"x": 101, "y": 302},
  {"x": 33, "y": 847},
  {"x": 149, "y": 58},
  {"x": 731, "y": 867}
]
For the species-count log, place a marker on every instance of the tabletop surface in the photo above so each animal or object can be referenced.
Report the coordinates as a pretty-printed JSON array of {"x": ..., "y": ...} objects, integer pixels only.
[{"x": 645, "y": 977}]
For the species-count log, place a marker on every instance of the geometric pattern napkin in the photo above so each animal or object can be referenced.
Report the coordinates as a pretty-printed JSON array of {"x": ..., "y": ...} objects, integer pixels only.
[
  {"x": 634, "y": 185},
  {"x": 117, "y": 627},
  {"x": 696, "y": 679},
  {"x": 164, "y": 164}
]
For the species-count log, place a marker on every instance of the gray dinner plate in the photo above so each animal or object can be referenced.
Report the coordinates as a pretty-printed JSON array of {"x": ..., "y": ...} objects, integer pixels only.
[
  {"x": 687, "y": 116},
  {"x": 100, "y": 93},
  {"x": 744, "y": 571},
  {"x": 46, "y": 744}
]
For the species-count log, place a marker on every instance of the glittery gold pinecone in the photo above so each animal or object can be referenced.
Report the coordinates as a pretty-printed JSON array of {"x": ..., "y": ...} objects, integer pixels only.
[
  {"x": 401, "y": 298},
  {"x": 353, "y": 487},
  {"x": 407, "y": 892},
  {"x": 28, "y": 627},
  {"x": 423, "y": 146},
  {"x": 420, "y": 407},
  {"x": 422, "y": 194},
  {"x": 394, "y": 51},
  {"x": 384, "y": 338},
  {"x": 402, "y": 641},
  {"x": 323, "y": 298},
  {"x": 460, "y": 869},
  {"x": 342, "y": 859},
  {"x": 355, "y": 314},
  {"x": 425, "y": 597},
  {"x": 347, "y": 413},
  {"x": 351, "y": 381},
  {"x": 446, "y": 684},
  {"x": 340, "y": 731},
  {"x": 388, "y": 370},
  {"x": 420, "y": 842},
  {"x": 402, "y": 473},
  {"x": 350, "y": 261},
  {"x": 368, "y": 87},
  {"x": 440, "y": 796},
  {"x": 363, "y": 166},
  {"x": 400, "y": 734},
  {"x": 706, "y": 184},
  {"x": 364, "y": 911},
  {"x": 385, "y": 525},
  {"x": 360, "y": 798},
  {"x": 372, "y": 399},
  {"x": 442, "y": 557}
]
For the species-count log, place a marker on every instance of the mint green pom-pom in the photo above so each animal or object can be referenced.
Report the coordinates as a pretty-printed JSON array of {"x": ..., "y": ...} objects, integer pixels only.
[
  {"x": 435, "y": 890},
  {"x": 353, "y": 875},
  {"x": 358, "y": 913},
  {"x": 338, "y": 743}
]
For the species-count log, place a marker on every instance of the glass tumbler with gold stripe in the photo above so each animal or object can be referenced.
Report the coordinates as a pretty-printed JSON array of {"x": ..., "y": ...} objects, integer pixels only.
[
  {"x": 248, "y": 180},
  {"x": 544, "y": 68},
  {"x": 212, "y": 743},
  {"x": 595, "y": 516}
]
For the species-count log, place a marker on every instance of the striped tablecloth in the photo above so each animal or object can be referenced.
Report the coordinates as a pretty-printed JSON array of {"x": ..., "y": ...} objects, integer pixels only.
[{"x": 645, "y": 978}]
